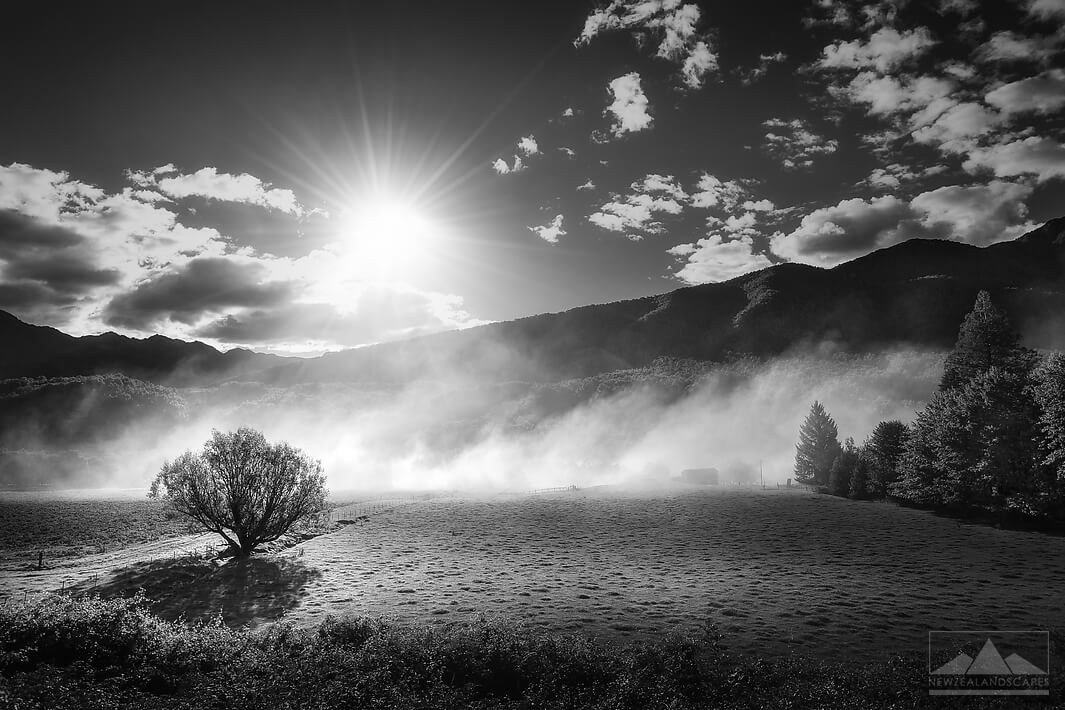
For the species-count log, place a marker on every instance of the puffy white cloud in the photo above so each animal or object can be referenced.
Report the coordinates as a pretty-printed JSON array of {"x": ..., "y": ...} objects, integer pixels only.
[
  {"x": 672, "y": 26},
  {"x": 210, "y": 184},
  {"x": 885, "y": 50},
  {"x": 666, "y": 184},
  {"x": 568, "y": 112},
  {"x": 551, "y": 231},
  {"x": 1042, "y": 157},
  {"x": 716, "y": 258},
  {"x": 714, "y": 192},
  {"x": 699, "y": 62},
  {"x": 758, "y": 206},
  {"x": 890, "y": 95},
  {"x": 854, "y": 227},
  {"x": 637, "y": 213},
  {"x": 977, "y": 214},
  {"x": 586, "y": 185},
  {"x": 795, "y": 144},
  {"x": 569, "y": 152},
  {"x": 528, "y": 146},
  {"x": 501, "y": 166},
  {"x": 1042, "y": 94},
  {"x": 629, "y": 105},
  {"x": 953, "y": 130}
]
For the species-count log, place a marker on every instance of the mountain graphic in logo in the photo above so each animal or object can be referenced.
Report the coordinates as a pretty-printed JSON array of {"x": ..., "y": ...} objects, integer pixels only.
[{"x": 988, "y": 662}]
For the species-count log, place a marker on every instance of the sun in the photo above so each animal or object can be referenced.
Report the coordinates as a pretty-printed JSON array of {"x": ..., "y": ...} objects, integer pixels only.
[{"x": 383, "y": 235}]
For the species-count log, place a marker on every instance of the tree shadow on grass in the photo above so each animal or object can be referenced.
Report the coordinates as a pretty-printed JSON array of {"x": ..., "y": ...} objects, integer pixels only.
[{"x": 245, "y": 591}]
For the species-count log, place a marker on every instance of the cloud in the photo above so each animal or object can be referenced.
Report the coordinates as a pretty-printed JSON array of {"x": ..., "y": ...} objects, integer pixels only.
[
  {"x": 758, "y": 206},
  {"x": 629, "y": 105},
  {"x": 1007, "y": 46},
  {"x": 700, "y": 61},
  {"x": 714, "y": 192},
  {"x": 670, "y": 26},
  {"x": 78, "y": 257},
  {"x": 890, "y": 95},
  {"x": 893, "y": 175},
  {"x": 527, "y": 145},
  {"x": 764, "y": 62},
  {"x": 1046, "y": 9},
  {"x": 953, "y": 130},
  {"x": 551, "y": 231},
  {"x": 210, "y": 184},
  {"x": 188, "y": 293},
  {"x": 1035, "y": 155},
  {"x": 977, "y": 214},
  {"x": 1042, "y": 94},
  {"x": 50, "y": 264},
  {"x": 373, "y": 313},
  {"x": 886, "y": 50},
  {"x": 795, "y": 144},
  {"x": 501, "y": 167},
  {"x": 637, "y": 213},
  {"x": 568, "y": 112},
  {"x": 569, "y": 152},
  {"x": 586, "y": 185},
  {"x": 716, "y": 258},
  {"x": 664, "y": 184},
  {"x": 854, "y": 227}
]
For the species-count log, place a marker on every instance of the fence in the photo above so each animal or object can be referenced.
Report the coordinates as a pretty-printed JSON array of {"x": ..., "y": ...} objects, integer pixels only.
[{"x": 556, "y": 489}]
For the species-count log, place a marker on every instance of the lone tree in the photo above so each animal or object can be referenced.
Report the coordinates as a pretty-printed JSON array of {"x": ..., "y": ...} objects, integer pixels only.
[
  {"x": 818, "y": 446},
  {"x": 243, "y": 488}
]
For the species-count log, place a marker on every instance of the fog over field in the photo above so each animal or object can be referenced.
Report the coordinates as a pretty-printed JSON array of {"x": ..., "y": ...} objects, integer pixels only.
[{"x": 635, "y": 427}]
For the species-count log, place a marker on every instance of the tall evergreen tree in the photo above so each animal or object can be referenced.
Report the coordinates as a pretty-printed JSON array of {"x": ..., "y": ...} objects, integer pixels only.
[
  {"x": 818, "y": 446},
  {"x": 1050, "y": 396},
  {"x": 986, "y": 339},
  {"x": 842, "y": 470},
  {"x": 883, "y": 451},
  {"x": 860, "y": 477}
]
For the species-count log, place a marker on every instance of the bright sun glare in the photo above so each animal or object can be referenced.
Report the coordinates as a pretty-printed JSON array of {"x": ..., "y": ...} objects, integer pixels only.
[{"x": 384, "y": 234}]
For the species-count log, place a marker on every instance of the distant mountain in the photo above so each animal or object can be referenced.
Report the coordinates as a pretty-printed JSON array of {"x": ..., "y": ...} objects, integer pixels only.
[
  {"x": 913, "y": 294},
  {"x": 41, "y": 351}
]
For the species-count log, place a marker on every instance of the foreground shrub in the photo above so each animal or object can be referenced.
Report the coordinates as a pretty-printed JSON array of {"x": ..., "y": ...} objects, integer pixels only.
[{"x": 88, "y": 653}]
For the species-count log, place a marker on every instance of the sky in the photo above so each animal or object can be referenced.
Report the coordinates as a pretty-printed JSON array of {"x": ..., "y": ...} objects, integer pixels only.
[{"x": 303, "y": 177}]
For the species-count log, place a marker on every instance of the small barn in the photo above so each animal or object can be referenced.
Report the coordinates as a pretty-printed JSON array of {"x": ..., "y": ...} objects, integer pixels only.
[{"x": 701, "y": 476}]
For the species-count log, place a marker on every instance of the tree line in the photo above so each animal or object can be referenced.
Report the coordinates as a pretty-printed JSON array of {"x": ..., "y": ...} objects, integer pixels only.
[{"x": 992, "y": 437}]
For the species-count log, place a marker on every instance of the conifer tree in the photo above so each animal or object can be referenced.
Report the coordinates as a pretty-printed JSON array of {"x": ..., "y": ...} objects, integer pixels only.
[
  {"x": 986, "y": 339},
  {"x": 1050, "y": 395},
  {"x": 818, "y": 446},
  {"x": 842, "y": 470},
  {"x": 883, "y": 451}
]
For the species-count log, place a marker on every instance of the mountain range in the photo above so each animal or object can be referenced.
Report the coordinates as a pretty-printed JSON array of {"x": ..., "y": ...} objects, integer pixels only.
[{"x": 911, "y": 294}]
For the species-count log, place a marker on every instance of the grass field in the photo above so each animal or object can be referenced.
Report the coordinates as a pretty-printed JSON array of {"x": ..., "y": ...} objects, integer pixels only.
[
  {"x": 777, "y": 572},
  {"x": 76, "y": 523}
]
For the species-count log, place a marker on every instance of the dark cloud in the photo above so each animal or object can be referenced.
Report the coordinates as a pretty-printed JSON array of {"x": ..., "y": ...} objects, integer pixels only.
[
  {"x": 377, "y": 313},
  {"x": 200, "y": 287},
  {"x": 44, "y": 265},
  {"x": 28, "y": 298}
]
